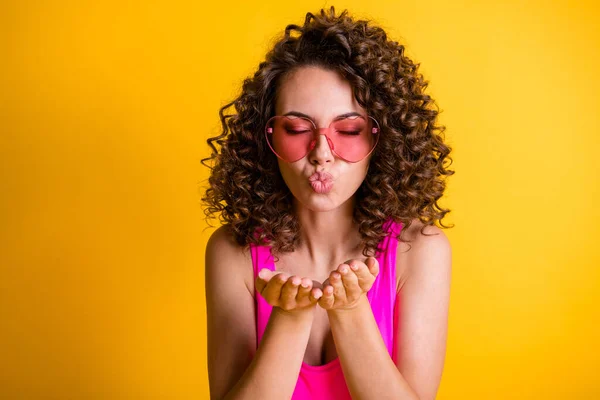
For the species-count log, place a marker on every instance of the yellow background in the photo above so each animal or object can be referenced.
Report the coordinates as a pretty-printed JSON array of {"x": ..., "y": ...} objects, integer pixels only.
[{"x": 105, "y": 108}]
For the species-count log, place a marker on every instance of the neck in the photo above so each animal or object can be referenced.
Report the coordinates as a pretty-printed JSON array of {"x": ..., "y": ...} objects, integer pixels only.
[{"x": 328, "y": 238}]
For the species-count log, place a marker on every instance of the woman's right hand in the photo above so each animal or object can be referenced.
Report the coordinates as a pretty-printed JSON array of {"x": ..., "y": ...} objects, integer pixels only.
[{"x": 289, "y": 293}]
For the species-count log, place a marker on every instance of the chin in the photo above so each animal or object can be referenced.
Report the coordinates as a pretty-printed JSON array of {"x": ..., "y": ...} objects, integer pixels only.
[{"x": 322, "y": 202}]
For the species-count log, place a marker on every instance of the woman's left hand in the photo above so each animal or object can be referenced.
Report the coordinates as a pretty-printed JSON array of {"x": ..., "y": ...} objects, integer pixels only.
[{"x": 346, "y": 285}]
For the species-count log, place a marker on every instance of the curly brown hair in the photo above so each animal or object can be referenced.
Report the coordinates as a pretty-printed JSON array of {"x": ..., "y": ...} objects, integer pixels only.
[{"x": 405, "y": 175}]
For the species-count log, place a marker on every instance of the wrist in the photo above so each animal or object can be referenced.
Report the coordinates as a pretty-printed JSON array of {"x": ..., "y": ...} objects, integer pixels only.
[
  {"x": 298, "y": 313},
  {"x": 362, "y": 302}
]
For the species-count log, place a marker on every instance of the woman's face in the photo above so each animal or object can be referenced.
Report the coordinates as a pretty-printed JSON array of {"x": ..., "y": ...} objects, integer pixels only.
[{"x": 322, "y": 95}]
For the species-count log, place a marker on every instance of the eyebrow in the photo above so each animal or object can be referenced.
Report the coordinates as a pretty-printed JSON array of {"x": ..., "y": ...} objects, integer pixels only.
[{"x": 346, "y": 115}]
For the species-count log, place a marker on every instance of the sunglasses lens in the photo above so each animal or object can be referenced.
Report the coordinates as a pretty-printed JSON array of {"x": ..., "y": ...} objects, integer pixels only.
[
  {"x": 291, "y": 138},
  {"x": 353, "y": 138}
]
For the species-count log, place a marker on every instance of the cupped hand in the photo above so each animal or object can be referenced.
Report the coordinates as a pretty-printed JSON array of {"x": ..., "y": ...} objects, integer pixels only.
[
  {"x": 289, "y": 293},
  {"x": 346, "y": 285}
]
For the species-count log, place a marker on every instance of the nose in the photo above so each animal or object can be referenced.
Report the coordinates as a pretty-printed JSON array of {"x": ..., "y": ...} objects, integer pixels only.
[{"x": 321, "y": 152}]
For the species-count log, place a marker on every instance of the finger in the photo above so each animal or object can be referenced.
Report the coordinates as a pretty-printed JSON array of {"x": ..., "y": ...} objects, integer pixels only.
[
  {"x": 273, "y": 289},
  {"x": 259, "y": 285},
  {"x": 350, "y": 282},
  {"x": 364, "y": 276},
  {"x": 306, "y": 286},
  {"x": 264, "y": 275},
  {"x": 315, "y": 295},
  {"x": 327, "y": 300},
  {"x": 373, "y": 265},
  {"x": 289, "y": 290},
  {"x": 339, "y": 291}
]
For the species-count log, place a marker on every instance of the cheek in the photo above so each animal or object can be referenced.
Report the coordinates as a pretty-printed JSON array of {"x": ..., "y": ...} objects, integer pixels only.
[
  {"x": 359, "y": 171},
  {"x": 360, "y": 178},
  {"x": 353, "y": 177}
]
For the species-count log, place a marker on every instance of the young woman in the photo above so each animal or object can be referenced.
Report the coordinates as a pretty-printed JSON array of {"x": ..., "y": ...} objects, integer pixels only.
[{"x": 331, "y": 155}]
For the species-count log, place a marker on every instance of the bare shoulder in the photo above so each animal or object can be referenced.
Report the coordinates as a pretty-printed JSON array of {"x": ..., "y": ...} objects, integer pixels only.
[
  {"x": 231, "y": 327},
  {"x": 432, "y": 246},
  {"x": 423, "y": 300},
  {"x": 237, "y": 259}
]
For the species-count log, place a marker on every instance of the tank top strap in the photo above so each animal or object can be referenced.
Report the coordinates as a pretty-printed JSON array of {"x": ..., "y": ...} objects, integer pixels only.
[
  {"x": 382, "y": 295},
  {"x": 261, "y": 258}
]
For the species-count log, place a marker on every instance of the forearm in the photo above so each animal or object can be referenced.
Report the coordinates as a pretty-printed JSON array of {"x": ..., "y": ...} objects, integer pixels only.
[
  {"x": 369, "y": 371},
  {"x": 273, "y": 371}
]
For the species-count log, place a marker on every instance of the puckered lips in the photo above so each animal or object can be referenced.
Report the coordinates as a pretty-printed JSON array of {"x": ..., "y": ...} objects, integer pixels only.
[{"x": 321, "y": 182}]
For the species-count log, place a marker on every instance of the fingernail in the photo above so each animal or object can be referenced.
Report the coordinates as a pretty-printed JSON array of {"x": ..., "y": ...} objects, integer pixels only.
[{"x": 354, "y": 267}]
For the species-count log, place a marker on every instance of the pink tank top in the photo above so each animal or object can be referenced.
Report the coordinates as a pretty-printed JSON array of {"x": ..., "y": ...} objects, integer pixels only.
[{"x": 327, "y": 381}]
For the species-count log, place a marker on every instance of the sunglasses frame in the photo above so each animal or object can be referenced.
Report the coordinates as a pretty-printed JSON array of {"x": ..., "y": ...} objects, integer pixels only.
[{"x": 376, "y": 130}]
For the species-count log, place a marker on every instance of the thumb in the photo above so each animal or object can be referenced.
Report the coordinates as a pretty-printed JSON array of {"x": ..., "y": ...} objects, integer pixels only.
[
  {"x": 265, "y": 274},
  {"x": 373, "y": 265}
]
